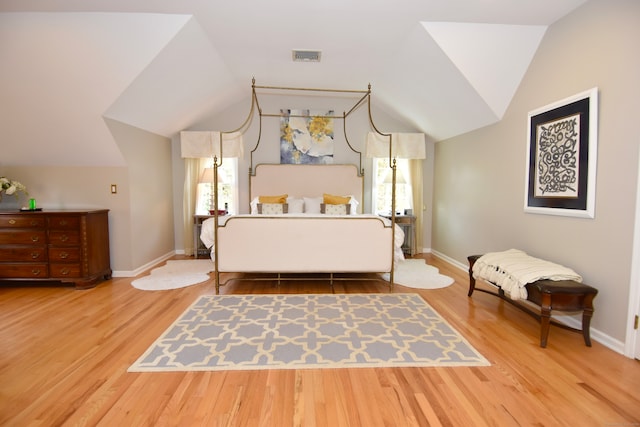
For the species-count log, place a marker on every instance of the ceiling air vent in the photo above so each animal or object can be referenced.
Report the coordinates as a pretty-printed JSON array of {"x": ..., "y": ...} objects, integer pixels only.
[{"x": 306, "y": 55}]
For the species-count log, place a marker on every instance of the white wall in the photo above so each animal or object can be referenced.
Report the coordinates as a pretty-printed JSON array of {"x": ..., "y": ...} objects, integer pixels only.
[{"x": 479, "y": 177}]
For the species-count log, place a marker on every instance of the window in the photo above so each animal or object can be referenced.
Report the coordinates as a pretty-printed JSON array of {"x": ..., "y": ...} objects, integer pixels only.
[
  {"x": 227, "y": 188},
  {"x": 381, "y": 186}
]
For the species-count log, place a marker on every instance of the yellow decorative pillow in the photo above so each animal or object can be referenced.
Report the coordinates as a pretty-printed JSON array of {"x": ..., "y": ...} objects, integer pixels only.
[
  {"x": 330, "y": 199},
  {"x": 273, "y": 199}
]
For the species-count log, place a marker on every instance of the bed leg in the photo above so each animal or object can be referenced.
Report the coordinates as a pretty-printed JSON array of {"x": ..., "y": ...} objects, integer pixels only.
[{"x": 217, "y": 281}]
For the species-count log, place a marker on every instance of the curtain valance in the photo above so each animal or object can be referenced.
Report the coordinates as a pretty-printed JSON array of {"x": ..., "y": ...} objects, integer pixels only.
[
  {"x": 405, "y": 145},
  {"x": 199, "y": 144}
]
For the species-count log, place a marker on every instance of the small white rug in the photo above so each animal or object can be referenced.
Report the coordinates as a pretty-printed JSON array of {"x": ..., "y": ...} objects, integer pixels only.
[
  {"x": 175, "y": 274},
  {"x": 416, "y": 273}
]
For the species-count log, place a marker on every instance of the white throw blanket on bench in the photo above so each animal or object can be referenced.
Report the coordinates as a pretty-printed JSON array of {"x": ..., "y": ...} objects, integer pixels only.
[{"x": 513, "y": 269}]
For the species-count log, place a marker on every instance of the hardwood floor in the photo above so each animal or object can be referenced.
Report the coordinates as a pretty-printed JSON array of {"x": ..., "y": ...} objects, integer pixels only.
[{"x": 64, "y": 355}]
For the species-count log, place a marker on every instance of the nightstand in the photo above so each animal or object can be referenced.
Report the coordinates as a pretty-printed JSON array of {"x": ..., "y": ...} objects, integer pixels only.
[
  {"x": 408, "y": 225},
  {"x": 198, "y": 246}
]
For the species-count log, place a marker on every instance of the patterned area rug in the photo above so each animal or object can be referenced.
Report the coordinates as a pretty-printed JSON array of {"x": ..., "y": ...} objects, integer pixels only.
[{"x": 248, "y": 332}]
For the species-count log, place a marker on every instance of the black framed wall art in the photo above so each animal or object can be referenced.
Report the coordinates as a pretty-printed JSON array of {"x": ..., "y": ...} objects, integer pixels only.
[{"x": 562, "y": 153}]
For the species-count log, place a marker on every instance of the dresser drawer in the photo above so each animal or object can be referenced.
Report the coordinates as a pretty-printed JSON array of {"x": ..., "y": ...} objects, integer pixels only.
[
  {"x": 64, "y": 270},
  {"x": 71, "y": 254},
  {"x": 64, "y": 222},
  {"x": 26, "y": 271},
  {"x": 23, "y": 237},
  {"x": 23, "y": 253},
  {"x": 64, "y": 237},
  {"x": 21, "y": 221}
]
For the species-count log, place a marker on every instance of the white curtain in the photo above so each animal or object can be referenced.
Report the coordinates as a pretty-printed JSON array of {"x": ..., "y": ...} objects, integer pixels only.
[
  {"x": 416, "y": 177},
  {"x": 196, "y": 148},
  {"x": 410, "y": 146},
  {"x": 192, "y": 170}
]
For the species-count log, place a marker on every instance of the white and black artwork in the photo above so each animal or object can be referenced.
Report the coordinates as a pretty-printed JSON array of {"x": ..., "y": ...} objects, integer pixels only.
[{"x": 561, "y": 157}]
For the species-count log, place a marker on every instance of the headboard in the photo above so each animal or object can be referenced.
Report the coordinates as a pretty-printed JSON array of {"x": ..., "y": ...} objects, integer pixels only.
[{"x": 307, "y": 180}]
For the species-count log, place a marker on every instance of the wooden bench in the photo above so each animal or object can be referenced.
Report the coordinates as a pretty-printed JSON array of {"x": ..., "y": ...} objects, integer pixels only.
[{"x": 562, "y": 295}]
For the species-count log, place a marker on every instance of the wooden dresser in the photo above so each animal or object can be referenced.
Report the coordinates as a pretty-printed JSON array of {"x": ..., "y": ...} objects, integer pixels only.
[{"x": 69, "y": 246}]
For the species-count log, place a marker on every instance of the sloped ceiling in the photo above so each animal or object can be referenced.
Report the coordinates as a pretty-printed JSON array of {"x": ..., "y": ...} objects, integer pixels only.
[{"x": 445, "y": 66}]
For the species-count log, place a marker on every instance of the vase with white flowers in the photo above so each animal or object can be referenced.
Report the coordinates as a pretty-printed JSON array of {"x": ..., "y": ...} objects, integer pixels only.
[{"x": 10, "y": 187}]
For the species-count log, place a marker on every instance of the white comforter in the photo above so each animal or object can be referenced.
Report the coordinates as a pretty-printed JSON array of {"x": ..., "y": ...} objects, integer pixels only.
[
  {"x": 513, "y": 269},
  {"x": 207, "y": 232}
]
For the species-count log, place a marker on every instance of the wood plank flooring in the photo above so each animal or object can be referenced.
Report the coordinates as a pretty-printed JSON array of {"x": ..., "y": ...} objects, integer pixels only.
[{"x": 64, "y": 356}]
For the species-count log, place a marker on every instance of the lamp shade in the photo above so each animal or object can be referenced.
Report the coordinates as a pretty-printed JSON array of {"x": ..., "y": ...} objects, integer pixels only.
[
  {"x": 388, "y": 179},
  {"x": 205, "y": 144},
  {"x": 207, "y": 176},
  {"x": 405, "y": 146}
]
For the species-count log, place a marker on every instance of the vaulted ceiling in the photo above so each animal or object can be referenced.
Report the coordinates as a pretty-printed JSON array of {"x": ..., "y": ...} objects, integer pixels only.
[{"x": 445, "y": 66}]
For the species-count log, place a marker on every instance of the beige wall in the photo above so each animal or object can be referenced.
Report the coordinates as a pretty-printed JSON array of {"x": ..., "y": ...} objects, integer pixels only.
[
  {"x": 150, "y": 195},
  {"x": 74, "y": 187},
  {"x": 140, "y": 214},
  {"x": 479, "y": 177}
]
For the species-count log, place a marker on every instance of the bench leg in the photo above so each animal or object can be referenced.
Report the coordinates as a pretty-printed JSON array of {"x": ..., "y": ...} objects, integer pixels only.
[
  {"x": 472, "y": 281},
  {"x": 586, "y": 318},
  {"x": 586, "y": 322},
  {"x": 545, "y": 319},
  {"x": 472, "y": 284}
]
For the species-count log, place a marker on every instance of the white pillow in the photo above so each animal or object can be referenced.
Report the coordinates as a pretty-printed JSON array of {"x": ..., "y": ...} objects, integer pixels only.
[
  {"x": 254, "y": 206},
  {"x": 354, "y": 205},
  {"x": 295, "y": 205},
  {"x": 312, "y": 204}
]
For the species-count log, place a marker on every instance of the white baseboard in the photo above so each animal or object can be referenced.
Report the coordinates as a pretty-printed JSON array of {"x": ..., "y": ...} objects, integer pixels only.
[
  {"x": 574, "y": 322},
  {"x": 142, "y": 269}
]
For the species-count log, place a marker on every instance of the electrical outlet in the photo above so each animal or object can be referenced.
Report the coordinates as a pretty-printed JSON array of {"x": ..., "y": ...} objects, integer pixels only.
[{"x": 114, "y": 188}]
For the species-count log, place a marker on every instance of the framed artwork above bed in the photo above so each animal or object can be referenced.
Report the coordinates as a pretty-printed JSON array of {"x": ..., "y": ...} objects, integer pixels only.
[
  {"x": 561, "y": 157},
  {"x": 306, "y": 137}
]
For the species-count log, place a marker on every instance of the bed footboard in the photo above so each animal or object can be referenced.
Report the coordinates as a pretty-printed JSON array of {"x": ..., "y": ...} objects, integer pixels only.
[{"x": 291, "y": 244}]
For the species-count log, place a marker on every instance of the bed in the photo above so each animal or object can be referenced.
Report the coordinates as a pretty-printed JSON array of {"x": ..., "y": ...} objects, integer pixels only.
[
  {"x": 304, "y": 218},
  {"x": 304, "y": 237}
]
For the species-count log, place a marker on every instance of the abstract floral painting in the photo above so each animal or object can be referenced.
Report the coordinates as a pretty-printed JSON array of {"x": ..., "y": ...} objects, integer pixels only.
[{"x": 306, "y": 137}]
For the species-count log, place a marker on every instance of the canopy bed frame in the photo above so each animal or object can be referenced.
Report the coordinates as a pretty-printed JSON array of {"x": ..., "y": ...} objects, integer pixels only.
[{"x": 302, "y": 242}]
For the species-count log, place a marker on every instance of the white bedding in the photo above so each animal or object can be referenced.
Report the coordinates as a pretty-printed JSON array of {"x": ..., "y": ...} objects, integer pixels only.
[{"x": 207, "y": 234}]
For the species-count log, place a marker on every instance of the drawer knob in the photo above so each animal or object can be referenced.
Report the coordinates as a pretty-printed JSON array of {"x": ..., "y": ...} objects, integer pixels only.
[
  {"x": 35, "y": 255},
  {"x": 12, "y": 221},
  {"x": 35, "y": 271},
  {"x": 35, "y": 238},
  {"x": 64, "y": 255},
  {"x": 65, "y": 271},
  {"x": 64, "y": 238}
]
